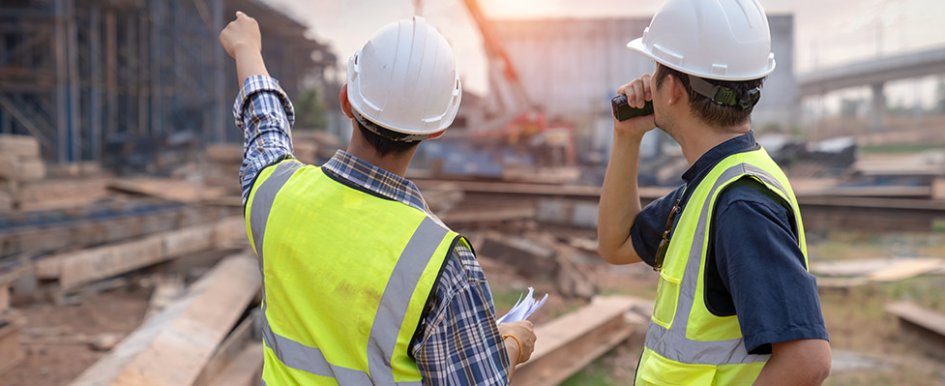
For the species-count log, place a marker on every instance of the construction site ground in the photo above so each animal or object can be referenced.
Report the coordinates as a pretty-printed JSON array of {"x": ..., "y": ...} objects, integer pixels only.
[{"x": 869, "y": 348}]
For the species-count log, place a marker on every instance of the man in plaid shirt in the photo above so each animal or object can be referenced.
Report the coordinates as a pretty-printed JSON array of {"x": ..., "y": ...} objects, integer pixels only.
[{"x": 457, "y": 341}]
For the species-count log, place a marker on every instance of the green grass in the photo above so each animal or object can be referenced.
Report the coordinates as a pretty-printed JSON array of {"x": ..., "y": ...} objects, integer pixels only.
[
  {"x": 595, "y": 374},
  {"x": 900, "y": 148}
]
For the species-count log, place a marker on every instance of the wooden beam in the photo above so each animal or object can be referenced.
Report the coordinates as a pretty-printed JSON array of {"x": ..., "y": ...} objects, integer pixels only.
[
  {"x": 228, "y": 352},
  {"x": 173, "y": 347},
  {"x": 927, "y": 324},
  {"x": 74, "y": 269},
  {"x": 11, "y": 349},
  {"x": 571, "y": 342},
  {"x": 466, "y": 217},
  {"x": 906, "y": 268},
  {"x": 167, "y": 188},
  {"x": 244, "y": 370}
]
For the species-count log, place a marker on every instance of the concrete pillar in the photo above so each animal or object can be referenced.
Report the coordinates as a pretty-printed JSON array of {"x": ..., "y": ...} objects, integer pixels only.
[{"x": 878, "y": 109}]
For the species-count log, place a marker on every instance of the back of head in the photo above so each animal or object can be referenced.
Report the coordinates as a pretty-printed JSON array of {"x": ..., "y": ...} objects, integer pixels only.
[
  {"x": 403, "y": 84},
  {"x": 720, "y": 50}
]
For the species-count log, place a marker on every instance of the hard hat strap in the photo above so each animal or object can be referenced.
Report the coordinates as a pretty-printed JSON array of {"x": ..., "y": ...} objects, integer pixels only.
[
  {"x": 386, "y": 133},
  {"x": 725, "y": 96}
]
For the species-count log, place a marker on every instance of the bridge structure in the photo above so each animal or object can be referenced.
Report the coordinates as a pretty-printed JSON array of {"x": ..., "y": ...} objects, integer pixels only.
[{"x": 874, "y": 73}]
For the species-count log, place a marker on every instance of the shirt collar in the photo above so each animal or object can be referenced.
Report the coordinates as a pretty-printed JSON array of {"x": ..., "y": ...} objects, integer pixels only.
[
  {"x": 739, "y": 144},
  {"x": 375, "y": 179}
]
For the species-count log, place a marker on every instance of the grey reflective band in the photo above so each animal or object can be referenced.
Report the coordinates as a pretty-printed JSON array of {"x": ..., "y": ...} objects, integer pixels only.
[
  {"x": 400, "y": 288},
  {"x": 672, "y": 343},
  {"x": 391, "y": 311},
  {"x": 263, "y": 199}
]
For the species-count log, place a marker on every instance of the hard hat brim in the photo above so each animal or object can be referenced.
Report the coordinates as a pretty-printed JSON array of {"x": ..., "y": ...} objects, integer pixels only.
[{"x": 637, "y": 45}]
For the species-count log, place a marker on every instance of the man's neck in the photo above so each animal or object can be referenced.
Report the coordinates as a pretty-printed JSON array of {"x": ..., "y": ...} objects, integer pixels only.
[
  {"x": 703, "y": 138},
  {"x": 396, "y": 164}
]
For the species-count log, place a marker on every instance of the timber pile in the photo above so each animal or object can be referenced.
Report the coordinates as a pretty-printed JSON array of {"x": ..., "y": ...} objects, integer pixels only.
[
  {"x": 926, "y": 324},
  {"x": 572, "y": 341},
  {"x": 20, "y": 163},
  {"x": 542, "y": 259},
  {"x": 74, "y": 269},
  {"x": 176, "y": 346},
  {"x": 845, "y": 274},
  {"x": 222, "y": 168}
]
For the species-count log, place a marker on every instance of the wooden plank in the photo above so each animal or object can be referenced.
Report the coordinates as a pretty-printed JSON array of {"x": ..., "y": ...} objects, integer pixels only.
[
  {"x": 488, "y": 216},
  {"x": 167, "y": 189},
  {"x": 4, "y": 297},
  {"x": 77, "y": 268},
  {"x": 11, "y": 349},
  {"x": 570, "y": 342},
  {"x": 190, "y": 240},
  {"x": 19, "y": 145},
  {"x": 244, "y": 370},
  {"x": 89, "y": 265},
  {"x": 173, "y": 347},
  {"x": 228, "y": 352},
  {"x": 911, "y": 312},
  {"x": 906, "y": 268}
]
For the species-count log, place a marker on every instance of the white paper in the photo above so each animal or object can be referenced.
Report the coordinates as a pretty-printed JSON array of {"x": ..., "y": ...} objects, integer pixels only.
[{"x": 524, "y": 307}]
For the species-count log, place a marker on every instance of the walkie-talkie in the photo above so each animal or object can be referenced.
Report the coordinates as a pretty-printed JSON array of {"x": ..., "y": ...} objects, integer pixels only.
[{"x": 623, "y": 111}]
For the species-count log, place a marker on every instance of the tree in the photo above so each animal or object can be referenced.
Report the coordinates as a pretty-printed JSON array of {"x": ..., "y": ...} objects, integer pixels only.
[
  {"x": 311, "y": 110},
  {"x": 940, "y": 106}
]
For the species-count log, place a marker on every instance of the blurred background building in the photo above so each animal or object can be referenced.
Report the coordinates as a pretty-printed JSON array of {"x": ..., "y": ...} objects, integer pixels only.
[{"x": 116, "y": 80}]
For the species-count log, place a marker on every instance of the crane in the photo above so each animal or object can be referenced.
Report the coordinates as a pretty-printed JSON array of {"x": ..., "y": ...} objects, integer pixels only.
[{"x": 517, "y": 116}]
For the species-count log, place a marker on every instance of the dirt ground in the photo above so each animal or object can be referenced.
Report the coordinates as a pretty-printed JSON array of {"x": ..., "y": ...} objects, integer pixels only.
[
  {"x": 52, "y": 357},
  {"x": 861, "y": 331}
]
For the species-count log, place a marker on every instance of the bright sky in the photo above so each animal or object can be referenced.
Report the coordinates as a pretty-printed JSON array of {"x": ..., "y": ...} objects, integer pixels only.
[{"x": 826, "y": 31}]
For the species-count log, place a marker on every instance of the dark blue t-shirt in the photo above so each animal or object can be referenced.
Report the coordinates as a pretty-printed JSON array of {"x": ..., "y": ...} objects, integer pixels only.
[{"x": 755, "y": 268}]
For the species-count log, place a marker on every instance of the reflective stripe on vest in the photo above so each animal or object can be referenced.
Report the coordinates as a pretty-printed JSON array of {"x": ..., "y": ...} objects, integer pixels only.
[
  {"x": 390, "y": 313},
  {"x": 672, "y": 343}
]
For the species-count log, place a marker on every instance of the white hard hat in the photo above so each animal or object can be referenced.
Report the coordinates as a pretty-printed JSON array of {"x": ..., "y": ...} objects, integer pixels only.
[
  {"x": 405, "y": 80},
  {"x": 713, "y": 39}
]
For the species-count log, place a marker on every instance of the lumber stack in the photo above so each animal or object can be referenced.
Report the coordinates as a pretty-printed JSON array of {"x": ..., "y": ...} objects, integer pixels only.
[
  {"x": 223, "y": 166},
  {"x": 20, "y": 163},
  {"x": 11, "y": 349},
  {"x": 74, "y": 269},
  {"x": 571, "y": 342},
  {"x": 176, "y": 346}
]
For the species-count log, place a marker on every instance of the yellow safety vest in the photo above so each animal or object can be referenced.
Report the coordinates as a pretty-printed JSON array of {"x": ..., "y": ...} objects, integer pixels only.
[
  {"x": 346, "y": 277},
  {"x": 685, "y": 343}
]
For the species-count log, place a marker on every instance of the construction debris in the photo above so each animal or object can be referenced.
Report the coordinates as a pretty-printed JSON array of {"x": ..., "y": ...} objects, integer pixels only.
[
  {"x": 572, "y": 341},
  {"x": 168, "y": 189},
  {"x": 76, "y": 268},
  {"x": 11, "y": 349},
  {"x": 185, "y": 335},
  {"x": 859, "y": 272},
  {"x": 927, "y": 324}
]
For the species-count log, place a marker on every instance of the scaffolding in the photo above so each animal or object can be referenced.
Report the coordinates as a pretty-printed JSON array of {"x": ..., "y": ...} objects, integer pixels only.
[{"x": 83, "y": 75}]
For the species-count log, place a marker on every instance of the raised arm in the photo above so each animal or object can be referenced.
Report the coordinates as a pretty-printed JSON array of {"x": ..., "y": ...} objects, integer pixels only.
[
  {"x": 620, "y": 198},
  {"x": 261, "y": 110}
]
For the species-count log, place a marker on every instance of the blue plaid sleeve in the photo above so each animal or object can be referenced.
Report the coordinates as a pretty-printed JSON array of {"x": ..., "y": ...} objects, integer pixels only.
[
  {"x": 460, "y": 342},
  {"x": 265, "y": 114}
]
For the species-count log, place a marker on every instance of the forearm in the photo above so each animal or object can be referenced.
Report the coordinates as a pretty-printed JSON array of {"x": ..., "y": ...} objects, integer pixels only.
[
  {"x": 797, "y": 363},
  {"x": 249, "y": 62},
  {"x": 619, "y": 201},
  {"x": 512, "y": 349}
]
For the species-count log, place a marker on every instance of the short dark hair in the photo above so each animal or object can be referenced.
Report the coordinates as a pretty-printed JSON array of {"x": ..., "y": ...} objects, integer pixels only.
[
  {"x": 712, "y": 113},
  {"x": 383, "y": 145}
]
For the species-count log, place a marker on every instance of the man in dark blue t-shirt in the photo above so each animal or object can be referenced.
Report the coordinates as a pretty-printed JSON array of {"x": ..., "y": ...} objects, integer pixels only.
[{"x": 748, "y": 255}]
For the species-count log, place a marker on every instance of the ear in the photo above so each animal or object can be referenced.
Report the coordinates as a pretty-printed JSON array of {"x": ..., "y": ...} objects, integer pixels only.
[
  {"x": 677, "y": 90},
  {"x": 343, "y": 99},
  {"x": 436, "y": 135}
]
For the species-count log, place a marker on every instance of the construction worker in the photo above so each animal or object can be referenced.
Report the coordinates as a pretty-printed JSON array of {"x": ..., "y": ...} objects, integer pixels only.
[
  {"x": 363, "y": 285},
  {"x": 735, "y": 303}
]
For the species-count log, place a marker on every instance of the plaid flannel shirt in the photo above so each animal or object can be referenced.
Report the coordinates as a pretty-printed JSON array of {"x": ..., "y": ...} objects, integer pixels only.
[{"x": 460, "y": 343}]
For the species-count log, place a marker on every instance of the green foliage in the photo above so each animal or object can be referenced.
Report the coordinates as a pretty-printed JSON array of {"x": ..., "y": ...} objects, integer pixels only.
[
  {"x": 310, "y": 110},
  {"x": 940, "y": 93}
]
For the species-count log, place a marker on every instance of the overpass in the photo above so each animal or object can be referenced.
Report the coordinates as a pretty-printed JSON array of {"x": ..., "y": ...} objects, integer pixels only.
[{"x": 874, "y": 72}]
